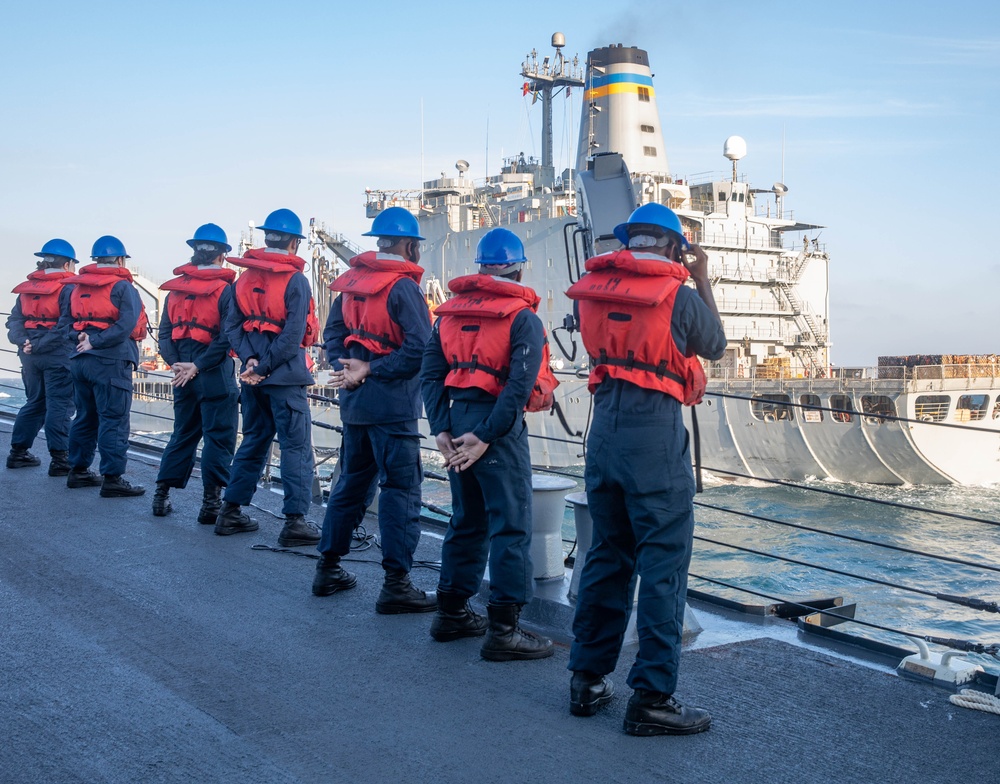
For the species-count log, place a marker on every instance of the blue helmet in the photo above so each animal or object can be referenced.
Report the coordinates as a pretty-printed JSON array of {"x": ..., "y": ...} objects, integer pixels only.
[
  {"x": 58, "y": 247},
  {"x": 108, "y": 247},
  {"x": 284, "y": 222},
  {"x": 210, "y": 232},
  {"x": 652, "y": 214},
  {"x": 500, "y": 248},
  {"x": 394, "y": 222}
]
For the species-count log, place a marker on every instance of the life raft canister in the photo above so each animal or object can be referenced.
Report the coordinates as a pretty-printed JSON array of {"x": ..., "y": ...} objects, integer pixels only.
[
  {"x": 626, "y": 304},
  {"x": 365, "y": 290},
  {"x": 260, "y": 292},
  {"x": 90, "y": 302},
  {"x": 475, "y": 337},
  {"x": 193, "y": 307}
]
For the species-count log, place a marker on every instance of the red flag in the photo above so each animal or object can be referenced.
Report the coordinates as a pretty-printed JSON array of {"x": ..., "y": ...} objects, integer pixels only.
[{"x": 526, "y": 89}]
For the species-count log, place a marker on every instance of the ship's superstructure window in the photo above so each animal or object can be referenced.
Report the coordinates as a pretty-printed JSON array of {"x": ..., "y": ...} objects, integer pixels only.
[
  {"x": 722, "y": 195},
  {"x": 650, "y": 151},
  {"x": 996, "y": 409},
  {"x": 644, "y": 94},
  {"x": 771, "y": 408},
  {"x": 809, "y": 415},
  {"x": 971, "y": 408},
  {"x": 845, "y": 406},
  {"x": 931, "y": 408},
  {"x": 646, "y": 128},
  {"x": 876, "y": 406}
]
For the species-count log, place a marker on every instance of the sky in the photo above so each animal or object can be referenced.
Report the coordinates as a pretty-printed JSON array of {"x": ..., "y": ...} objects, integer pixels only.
[{"x": 145, "y": 121}]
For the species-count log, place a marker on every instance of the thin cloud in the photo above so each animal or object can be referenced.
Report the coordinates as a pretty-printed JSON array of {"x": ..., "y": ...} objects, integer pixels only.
[{"x": 931, "y": 50}]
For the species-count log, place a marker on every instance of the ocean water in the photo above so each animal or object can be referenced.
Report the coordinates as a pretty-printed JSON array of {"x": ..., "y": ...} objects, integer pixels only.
[{"x": 922, "y": 530}]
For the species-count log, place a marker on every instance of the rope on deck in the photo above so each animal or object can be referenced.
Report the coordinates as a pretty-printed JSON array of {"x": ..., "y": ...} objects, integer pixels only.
[{"x": 976, "y": 700}]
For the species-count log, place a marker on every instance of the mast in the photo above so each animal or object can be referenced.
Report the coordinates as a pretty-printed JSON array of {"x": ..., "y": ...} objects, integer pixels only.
[{"x": 546, "y": 80}]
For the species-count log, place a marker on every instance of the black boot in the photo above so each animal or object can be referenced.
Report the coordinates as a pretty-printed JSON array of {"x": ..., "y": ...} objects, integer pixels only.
[
  {"x": 399, "y": 595},
  {"x": 83, "y": 477},
  {"x": 161, "y": 500},
  {"x": 506, "y": 641},
  {"x": 211, "y": 505},
  {"x": 119, "y": 487},
  {"x": 298, "y": 532},
  {"x": 232, "y": 521},
  {"x": 331, "y": 576},
  {"x": 653, "y": 713},
  {"x": 588, "y": 692},
  {"x": 59, "y": 465},
  {"x": 455, "y": 619},
  {"x": 20, "y": 457}
]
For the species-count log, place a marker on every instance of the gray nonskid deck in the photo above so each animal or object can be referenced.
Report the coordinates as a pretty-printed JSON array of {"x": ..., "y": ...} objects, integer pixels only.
[{"x": 135, "y": 648}]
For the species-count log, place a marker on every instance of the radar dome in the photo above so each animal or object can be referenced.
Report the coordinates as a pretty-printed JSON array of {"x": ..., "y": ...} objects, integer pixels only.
[
  {"x": 734, "y": 148},
  {"x": 558, "y": 40}
]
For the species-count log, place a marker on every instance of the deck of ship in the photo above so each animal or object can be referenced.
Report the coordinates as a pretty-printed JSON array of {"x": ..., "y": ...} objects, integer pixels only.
[{"x": 135, "y": 648}]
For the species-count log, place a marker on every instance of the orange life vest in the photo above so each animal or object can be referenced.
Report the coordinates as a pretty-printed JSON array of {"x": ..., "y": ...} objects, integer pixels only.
[
  {"x": 365, "y": 288},
  {"x": 626, "y": 303},
  {"x": 260, "y": 292},
  {"x": 90, "y": 302},
  {"x": 193, "y": 309},
  {"x": 39, "y": 297},
  {"x": 475, "y": 337}
]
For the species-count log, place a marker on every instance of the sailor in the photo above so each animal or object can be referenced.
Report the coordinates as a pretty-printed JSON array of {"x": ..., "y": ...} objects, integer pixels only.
[
  {"x": 193, "y": 344},
  {"x": 44, "y": 352},
  {"x": 485, "y": 364},
  {"x": 642, "y": 328},
  {"x": 108, "y": 321},
  {"x": 374, "y": 338},
  {"x": 270, "y": 324}
]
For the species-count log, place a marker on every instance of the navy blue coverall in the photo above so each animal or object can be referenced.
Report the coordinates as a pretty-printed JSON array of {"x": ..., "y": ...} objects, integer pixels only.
[
  {"x": 207, "y": 406},
  {"x": 48, "y": 385},
  {"x": 102, "y": 380},
  {"x": 380, "y": 433},
  {"x": 491, "y": 500},
  {"x": 277, "y": 405},
  {"x": 640, "y": 492}
]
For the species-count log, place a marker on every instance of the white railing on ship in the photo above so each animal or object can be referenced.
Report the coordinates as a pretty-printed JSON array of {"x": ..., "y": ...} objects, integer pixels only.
[{"x": 984, "y": 374}]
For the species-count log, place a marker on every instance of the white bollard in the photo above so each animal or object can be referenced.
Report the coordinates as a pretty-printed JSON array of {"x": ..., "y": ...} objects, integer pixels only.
[{"x": 547, "y": 508}]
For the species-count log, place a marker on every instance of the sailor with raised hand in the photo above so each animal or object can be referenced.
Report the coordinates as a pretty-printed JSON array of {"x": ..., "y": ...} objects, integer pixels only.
[
  {"x": 270, "y": 324},
  {"x": 195, "y": 347},
  {"x": 643, "y": 329},
  {"x": 375, "y": 337},
  {"x": 44, "y": 352},
  {"x": 107, "y": 320},
  {"x": 485, "y": 364}
]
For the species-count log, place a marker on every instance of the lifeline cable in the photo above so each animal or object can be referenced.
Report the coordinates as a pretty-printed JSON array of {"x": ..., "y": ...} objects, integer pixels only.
[{"x": 965, "y": 601}]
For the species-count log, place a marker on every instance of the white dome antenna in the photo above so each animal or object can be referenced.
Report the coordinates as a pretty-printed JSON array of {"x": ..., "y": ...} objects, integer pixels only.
[{"x": 734, "y": 149}]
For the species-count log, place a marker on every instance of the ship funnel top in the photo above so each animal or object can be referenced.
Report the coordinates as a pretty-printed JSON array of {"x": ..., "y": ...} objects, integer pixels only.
[
  {"x": 558, "y": 40},
  {"x": 735, "y": 148}
]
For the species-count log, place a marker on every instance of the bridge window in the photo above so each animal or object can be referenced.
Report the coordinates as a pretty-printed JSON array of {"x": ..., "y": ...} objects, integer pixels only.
[
  {"x": 771, "y": 408},
  {"x": 650, "y": 151},
  {"x": 845, "y": 406},
  {"x": 644, "y": 94},
  {"x": 646, "y": 128},
  {"x": 932, "y": 408},
  {"x": 874, "y": 407},
  {"x": 971, "y": 408},
  {"x": 811, "y": 415}
]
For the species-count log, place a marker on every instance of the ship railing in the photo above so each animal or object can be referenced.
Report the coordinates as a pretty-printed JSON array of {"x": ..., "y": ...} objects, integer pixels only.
[{"x": 788, "y": 608}]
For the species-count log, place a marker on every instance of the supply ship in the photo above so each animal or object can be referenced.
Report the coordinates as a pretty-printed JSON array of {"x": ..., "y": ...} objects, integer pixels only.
[{"x": 777, "y": 408}]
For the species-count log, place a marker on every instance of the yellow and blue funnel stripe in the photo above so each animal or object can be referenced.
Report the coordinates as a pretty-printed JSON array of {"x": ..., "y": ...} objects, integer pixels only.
[{"x": 610, "y": 84}]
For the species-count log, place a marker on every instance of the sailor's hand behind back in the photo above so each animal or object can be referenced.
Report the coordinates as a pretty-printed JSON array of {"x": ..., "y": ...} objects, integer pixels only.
[
  {"x": 446, "y": 446},
  {"x": 248, "y": 376},
  {"x": 83, "y": 342},
  {"x": 696, "y": 261},
  {"x": 468, "y": 449},
  {"x": 26, "y": 347},
  {"x": 183, "y": 372},
  {"x": 354, "y": 373}
]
